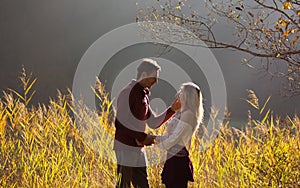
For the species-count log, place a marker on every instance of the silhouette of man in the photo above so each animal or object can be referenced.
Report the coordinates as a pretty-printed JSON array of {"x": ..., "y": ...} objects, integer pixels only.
[{"x": 132, "y": 113}]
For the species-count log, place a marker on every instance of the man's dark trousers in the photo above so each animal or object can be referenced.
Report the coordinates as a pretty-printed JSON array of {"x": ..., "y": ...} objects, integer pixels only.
[{"x": 131, "y": 169}]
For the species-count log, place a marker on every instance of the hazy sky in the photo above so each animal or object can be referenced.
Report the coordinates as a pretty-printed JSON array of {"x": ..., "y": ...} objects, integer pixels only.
[{"x": 50, "y": 37}]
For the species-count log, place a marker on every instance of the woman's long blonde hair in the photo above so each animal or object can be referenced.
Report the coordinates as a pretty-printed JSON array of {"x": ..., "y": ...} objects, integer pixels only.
[{"x": 193, "y": 100}]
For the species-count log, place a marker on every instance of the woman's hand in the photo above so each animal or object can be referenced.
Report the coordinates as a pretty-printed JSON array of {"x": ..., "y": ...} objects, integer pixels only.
[{"x": 176, "y": 105}]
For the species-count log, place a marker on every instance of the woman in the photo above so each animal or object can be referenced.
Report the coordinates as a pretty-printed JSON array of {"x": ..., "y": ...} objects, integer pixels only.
[{"x": 178, "y": 169}]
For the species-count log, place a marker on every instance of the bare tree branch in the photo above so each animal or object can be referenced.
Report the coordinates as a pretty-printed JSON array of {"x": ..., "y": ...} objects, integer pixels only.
[{"x": 265, "y": 29}]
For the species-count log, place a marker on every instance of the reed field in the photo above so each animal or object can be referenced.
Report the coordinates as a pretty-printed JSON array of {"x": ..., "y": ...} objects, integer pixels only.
[{"x": 65, "y": 144}]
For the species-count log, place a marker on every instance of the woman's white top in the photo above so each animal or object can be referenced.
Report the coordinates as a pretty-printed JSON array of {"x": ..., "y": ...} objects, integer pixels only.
[{"x": 178, "y": 132}]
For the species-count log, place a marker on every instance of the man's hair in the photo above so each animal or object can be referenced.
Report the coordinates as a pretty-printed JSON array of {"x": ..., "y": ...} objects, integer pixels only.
[{"x": 147, "y": 65}]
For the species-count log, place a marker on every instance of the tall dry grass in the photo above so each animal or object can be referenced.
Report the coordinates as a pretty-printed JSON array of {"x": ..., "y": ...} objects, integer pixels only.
[{"x": 44, "y": 146}]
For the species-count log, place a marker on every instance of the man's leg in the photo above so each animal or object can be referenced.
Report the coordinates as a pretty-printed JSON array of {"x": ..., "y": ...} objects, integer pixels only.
[
  {"x": 139, "y": 174},
  {"x": 124, "y": 175},
  {"x": 132, "y": 168},
  {"x": 139, "y": 177},
  {"x": 183, "y": 184}
]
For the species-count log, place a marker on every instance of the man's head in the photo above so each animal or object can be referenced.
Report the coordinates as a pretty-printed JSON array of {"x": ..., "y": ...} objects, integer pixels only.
[{"x": 147, "y": 72}]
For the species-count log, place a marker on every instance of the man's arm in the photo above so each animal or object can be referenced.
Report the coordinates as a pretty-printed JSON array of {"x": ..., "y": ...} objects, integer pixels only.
[
  {"x": 149, "y": 140},
  {"x": 140, "y": 136},
  {"x": 124, "y": 114},
  {"x": 156, "y": 121}
]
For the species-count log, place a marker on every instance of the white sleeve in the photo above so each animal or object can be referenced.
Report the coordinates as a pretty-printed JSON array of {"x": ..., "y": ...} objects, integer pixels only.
[
  {"x": 160, "y": 138},
  {"x": 170, "y": 126},
  {"x": 183, "y": 131}
]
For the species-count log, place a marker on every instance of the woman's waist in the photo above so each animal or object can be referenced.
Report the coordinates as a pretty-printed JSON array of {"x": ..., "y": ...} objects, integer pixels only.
[{"x": 178, "y": 151}]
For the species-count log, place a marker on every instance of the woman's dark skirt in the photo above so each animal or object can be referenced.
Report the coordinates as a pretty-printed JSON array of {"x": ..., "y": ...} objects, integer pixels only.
[{"x": 177, "y": 170}]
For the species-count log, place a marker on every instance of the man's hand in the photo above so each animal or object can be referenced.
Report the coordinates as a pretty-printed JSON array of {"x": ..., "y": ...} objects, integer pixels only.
[
  {"x": 176, "y": 105},
  {"x": 149, "y": 140}
]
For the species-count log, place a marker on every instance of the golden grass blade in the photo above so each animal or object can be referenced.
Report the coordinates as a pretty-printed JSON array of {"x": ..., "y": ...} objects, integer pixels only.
[
  {"x": 252, "y": 104},
  {"x": 291, "y": 121},
  {"x": 29, "y": 99},
  {"x": 265, "y": 117},
  {"x": 30, "y": 86},
  {"x": 262, "y": 109},
  {"x": 18, "y": 94}
]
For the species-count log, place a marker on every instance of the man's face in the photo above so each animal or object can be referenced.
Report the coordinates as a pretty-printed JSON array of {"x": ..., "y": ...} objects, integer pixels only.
[{"x": 151, "y": 79}]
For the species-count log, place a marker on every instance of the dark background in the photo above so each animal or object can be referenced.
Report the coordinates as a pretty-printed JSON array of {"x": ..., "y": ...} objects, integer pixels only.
[{"x": 50, "y": 37}]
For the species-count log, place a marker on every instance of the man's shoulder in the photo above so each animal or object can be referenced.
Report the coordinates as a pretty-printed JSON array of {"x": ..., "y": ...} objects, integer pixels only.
[{"x": 127, "y": 88}]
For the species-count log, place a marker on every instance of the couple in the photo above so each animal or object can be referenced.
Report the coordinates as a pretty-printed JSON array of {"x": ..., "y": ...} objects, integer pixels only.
[{"x": 134, "y": 112}]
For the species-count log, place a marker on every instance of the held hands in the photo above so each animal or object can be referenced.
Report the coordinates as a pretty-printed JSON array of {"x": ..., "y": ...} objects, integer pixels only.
[
  {"x": 176, "y": 105},
  {"x": 149, "y": 140}
]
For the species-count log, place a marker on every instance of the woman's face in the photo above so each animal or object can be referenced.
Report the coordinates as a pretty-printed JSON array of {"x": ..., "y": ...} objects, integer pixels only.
[{"x": 181, "y": 96}]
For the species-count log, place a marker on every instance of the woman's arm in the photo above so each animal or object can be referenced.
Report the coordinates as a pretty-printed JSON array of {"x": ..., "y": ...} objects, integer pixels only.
[
  {"x": 170, "y": 126},
  {"x": 183, "y": 131},
  {"x": 155, "y": 122}
]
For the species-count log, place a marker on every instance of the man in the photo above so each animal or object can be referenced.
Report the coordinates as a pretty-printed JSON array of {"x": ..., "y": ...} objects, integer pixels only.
[{"x": 133, "y": 112}]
